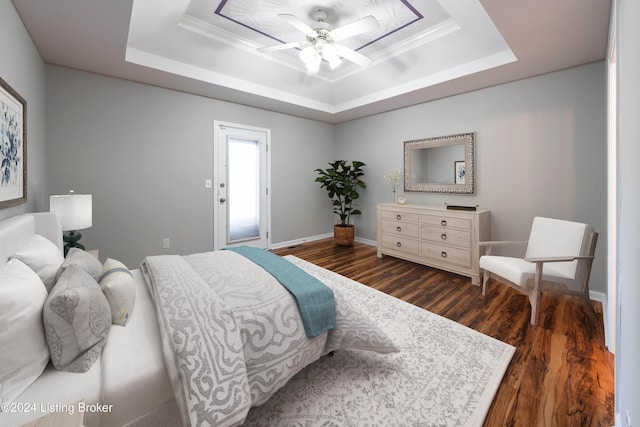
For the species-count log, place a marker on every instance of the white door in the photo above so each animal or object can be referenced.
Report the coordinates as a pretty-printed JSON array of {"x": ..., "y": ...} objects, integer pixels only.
[{"x": 241, "y": 186}]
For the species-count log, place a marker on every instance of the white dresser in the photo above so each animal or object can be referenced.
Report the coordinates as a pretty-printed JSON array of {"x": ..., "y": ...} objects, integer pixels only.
[{"x": 433, "y": 236}]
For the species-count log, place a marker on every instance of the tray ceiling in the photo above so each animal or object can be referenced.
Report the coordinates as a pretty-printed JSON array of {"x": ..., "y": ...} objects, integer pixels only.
[
  {"x": 417, "y": 44},
  {"x": 421, "y": 50}
]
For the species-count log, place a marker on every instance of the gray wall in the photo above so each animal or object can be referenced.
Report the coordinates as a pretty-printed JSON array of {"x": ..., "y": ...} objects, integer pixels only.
[
  {"x": 22, "y": 68},
  {"x": 541, "y": 149},
  {"x": 144, "y": 152}
]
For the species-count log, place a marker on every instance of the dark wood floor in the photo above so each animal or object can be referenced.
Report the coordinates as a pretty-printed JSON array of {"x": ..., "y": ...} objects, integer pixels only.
[{"x": 561, "y": 373}]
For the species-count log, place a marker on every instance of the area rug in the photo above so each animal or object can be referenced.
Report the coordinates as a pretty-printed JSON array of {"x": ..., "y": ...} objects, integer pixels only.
[{"x": 445, "y": 374}]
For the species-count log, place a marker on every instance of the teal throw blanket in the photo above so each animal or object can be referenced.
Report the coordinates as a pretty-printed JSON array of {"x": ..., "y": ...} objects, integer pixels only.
[{"x": 314, "y": 298}]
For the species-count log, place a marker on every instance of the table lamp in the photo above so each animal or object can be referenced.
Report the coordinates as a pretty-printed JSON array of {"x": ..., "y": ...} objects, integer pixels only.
[{"x": 75, "y": 213}]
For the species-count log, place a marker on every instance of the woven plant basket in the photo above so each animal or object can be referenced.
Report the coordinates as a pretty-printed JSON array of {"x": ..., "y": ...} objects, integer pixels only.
[{"x": 344, "y": 235}]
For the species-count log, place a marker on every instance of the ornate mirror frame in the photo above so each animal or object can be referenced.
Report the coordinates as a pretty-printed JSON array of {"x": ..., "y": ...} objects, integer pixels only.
[{"x": 411, "y": 155}]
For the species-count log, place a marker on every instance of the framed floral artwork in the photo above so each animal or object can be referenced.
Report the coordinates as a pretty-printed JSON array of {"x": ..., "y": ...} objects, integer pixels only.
[{"x": 13, "y": 147}]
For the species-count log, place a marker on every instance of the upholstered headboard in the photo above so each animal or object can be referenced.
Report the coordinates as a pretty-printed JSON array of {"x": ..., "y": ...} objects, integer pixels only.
[{"x": 16, "y": 232}]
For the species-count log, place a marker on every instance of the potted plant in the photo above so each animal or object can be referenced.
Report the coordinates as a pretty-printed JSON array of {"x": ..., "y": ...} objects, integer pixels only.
[{"x": 342, "y": 182}]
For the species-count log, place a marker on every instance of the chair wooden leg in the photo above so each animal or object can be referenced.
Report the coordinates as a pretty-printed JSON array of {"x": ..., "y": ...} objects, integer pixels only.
[
  {"x": 534, "y": 299},
  {"x": 534, "y": 295},
  {"x": 485, "y": 279}
]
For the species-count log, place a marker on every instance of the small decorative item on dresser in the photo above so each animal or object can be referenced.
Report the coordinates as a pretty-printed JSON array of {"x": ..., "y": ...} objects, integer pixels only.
[
  {"x": 401, "y": 199},
  {"x": 461, "y": 207},
  {"x": 393, "y": 178}
]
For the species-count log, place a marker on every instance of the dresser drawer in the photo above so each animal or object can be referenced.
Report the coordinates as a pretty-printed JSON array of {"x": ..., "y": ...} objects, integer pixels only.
[
  {"x": 400, "y": 244},
  {"x": 401, "y": 228},
  {"x": 450, "y": 236},
  {"x": 445, "y": 221},
  {"x": 444, "y": 254},
  {"x": 399, "y": 216}
]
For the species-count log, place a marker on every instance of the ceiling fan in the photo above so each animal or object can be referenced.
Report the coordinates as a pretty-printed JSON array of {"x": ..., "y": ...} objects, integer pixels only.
[{"x": 321, "y": 41}]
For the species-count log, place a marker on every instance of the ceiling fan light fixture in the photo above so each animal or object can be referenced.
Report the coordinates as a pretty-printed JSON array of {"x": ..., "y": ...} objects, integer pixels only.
[
  {"x": 311, "y": 58},
  {"x": 321, "y": 41},
  {"x": 330, "y": 53},
  {"x": 314, "y": 66},
  {"x": 306, "y": 54}
]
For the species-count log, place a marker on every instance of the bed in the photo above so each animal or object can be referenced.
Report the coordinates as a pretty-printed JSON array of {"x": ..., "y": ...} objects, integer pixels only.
[{"x": 386, "y": 361}]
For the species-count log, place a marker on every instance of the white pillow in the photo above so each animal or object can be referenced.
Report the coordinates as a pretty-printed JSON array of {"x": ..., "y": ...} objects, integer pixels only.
[
  {"x": 119, "y": 287},
  {"x": 43, "y": 257},
  {"x": 77, "y": 320},
  {"x": 83, "y": 260},
  {"x": 23, "y": 350}
]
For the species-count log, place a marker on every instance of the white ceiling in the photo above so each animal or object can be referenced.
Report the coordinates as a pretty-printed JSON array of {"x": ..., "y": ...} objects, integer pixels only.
[{"x": 422, "y": 50}]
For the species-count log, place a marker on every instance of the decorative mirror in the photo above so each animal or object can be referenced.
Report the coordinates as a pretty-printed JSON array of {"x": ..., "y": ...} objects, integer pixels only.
[{"x": 440, "y": 165}]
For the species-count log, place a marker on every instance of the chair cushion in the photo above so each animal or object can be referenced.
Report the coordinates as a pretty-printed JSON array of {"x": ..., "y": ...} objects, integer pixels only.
[
  {"x": 516, "y": 270},
  {"x": 554, "y": 237},
  {"x": 519, "y": 271}
]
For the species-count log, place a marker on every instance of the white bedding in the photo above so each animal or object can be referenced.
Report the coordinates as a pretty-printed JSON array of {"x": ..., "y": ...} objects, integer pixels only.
[
  {"x": 130, "y": 377},
  {"x": 135, "y": 381},
  {"x": 233, "y": 335},
  {"x": 50, "y": 392}
]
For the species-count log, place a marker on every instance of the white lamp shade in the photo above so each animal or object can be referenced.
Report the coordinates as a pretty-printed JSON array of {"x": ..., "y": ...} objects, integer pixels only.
[{"x": 74, "y": 210}]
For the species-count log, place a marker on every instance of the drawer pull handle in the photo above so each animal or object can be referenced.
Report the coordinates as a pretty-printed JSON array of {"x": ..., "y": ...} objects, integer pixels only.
[
  {"x": 443, "y": 254},
  {"x": 398, "y": 228},
  {"x": 443, "y": 236},
  {"x": 398, "y": 217},
  {"x": 399, "y": 244},
  {"x": 443, "y": 223}
]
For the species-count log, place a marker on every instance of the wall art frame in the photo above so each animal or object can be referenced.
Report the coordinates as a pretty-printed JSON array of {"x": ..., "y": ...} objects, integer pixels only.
[{"x": 13, "y": 147}]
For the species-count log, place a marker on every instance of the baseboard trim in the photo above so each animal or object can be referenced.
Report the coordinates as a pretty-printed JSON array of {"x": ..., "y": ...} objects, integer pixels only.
[
  {"x": 602, "y": 298},
  {"x": 599, "y": 296},
  {"x": 366, "y": 241},
  {"x": 297, "y": 242}
]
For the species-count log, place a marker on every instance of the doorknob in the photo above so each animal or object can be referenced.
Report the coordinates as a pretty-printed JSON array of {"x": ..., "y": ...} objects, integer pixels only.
[{"x": 222, "y": 200}]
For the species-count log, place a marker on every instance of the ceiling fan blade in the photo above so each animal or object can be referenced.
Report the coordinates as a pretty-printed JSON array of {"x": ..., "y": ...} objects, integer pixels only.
[
  {"x": 279, "y": 47},
  {"x": 297, "y": 23},
  {"x": 368, "y": 23},
  {"x": 354, "y": 56}
]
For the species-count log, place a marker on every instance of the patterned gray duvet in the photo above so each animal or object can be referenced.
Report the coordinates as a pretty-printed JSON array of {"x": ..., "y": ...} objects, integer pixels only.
[{"x": 232, "y": 335}]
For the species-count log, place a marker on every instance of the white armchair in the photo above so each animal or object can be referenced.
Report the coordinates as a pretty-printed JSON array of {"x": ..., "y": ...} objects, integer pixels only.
[{"x": 557, "y": 251}]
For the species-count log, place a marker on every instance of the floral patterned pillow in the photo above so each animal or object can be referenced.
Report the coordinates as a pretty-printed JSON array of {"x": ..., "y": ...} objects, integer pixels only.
[{"x": 77, "y": 320}]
